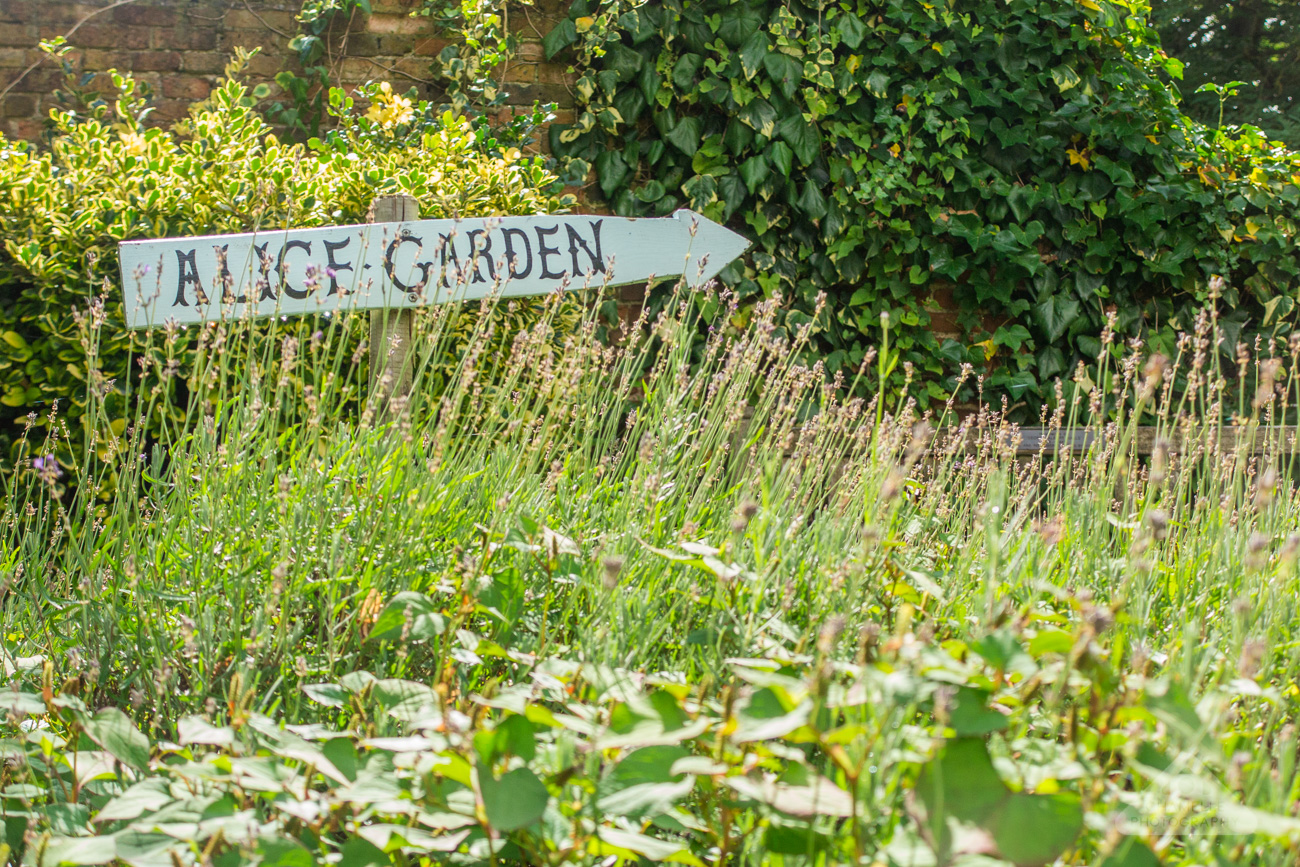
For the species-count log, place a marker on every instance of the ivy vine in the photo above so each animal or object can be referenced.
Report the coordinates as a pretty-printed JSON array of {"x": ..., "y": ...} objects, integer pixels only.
[{"x": 1024, "y": 162}]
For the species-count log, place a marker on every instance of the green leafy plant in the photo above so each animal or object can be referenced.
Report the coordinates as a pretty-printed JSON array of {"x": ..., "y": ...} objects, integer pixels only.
[
  {"x": 604, "y": 609},
  {"x": 225, "y": 171},
  {"x": 1024, "y": 164}
]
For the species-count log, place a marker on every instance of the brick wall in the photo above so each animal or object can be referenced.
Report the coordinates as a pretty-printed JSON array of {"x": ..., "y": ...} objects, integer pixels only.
[{"x": 181, "y": 46}]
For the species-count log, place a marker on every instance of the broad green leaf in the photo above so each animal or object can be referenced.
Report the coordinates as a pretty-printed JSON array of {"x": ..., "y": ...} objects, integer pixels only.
[
  {"x": 1131, "y": 852},
  {"x": 1055, "y": 314},
  {"x": 685, "y": 135},
  {"x": 79, "y": 850},
  {"x": 146, "y": 796},
  {"x": 515, "y": 801},
  {"x": 630, "y": 843},
  {"x": 781, "y": 158},
  {"x": 760, "y": 116},
  {"x": 802, "y": 137},
  {"x": 1065, "y": 78},
  {"x": 409, "y": 616},
  {"x": 850, "y": 28},
  {"x": 785, "y": 71},
  {"x": 969, "y": 713},
  {"x": 114, "y": 731},
  {"x": 1056, "y": 821},
  {"x": 328, "y": 694},
  {"x": 811, "y": 201},
  {"x": 197, "y": 730},
  {"x": 752, "y": 53},
  {"x": 611, "y": 171},
  {"x": 685, "y": 70},
  {"x": 560, "y": 37}
]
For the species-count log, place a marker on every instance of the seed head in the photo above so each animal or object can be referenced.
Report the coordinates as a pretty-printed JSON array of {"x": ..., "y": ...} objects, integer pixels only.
[{"x": 612, "y": 567}]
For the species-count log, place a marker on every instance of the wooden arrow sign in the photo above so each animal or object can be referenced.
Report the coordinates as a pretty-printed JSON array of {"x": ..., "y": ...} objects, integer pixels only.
[{"x": 398, "y": 265}]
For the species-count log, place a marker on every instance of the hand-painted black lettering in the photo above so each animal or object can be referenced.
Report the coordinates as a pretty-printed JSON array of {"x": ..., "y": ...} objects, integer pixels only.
[
  {"x": 479, "y": 252},
  {"x": 298, "y": 294},
  {"x": 447, "y": 257},
  {"x": 224, "y": 279},
  {"x": 543, "y": 251},
  {"x": 576, "y": 241},
  {"x": 189, "y": 274},
  {"x": 265, "y": 289},
  {"x": 390, "y": 269},
  {"x": 331, "y": 247},
  {"x": 511, "y": 260}
]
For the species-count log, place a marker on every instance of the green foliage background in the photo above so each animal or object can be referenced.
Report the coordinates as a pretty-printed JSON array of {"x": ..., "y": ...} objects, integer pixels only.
[
  {"x": 1026, "y": 158},
  {"x": 1254, "y": 41},
  {"x": 107, "y": 178}
]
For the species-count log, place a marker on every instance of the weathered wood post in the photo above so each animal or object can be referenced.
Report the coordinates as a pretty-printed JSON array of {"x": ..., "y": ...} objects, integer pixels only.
[{"x": 391, "y": 330}]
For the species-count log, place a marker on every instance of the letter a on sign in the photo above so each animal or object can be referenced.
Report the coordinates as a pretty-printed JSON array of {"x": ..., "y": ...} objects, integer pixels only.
[{"x": 396, "y": 265}]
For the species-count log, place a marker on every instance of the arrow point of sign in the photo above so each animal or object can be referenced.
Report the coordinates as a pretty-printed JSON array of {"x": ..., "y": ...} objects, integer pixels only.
[{"x": 716, "y": 242}]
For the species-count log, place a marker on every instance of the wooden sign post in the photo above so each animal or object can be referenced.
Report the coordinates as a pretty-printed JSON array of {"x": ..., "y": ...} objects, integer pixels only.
[
  {"x": 398, "y": 262},
  {"x": 391, "y": 331}
]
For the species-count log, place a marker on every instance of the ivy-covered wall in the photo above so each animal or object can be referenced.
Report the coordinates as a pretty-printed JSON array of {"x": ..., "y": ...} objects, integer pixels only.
[{"x": 1024, "y": 162}]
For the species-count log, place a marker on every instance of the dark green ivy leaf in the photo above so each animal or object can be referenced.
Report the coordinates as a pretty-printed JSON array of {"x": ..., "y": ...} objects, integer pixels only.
[
  {"x": 739, "y": 24},
  {"x": 802, "y": 137},
  {"x": 756, "y": 48},
  {"x": 686, "y": 135},
  {"x": 754, "y": 171},
  {"x": 611, "y": 171},
  {"x": 781, "y": 157},
  {"x": 1054, "y": 314},
  {"x": 786, "y": 72},
  {"x": 851, "y": 29},
  {"x": 760, "y": 115},
  {"x": 685, "y": 69},
  {"x": 811, "y": 201},
  {"x": 561, "y": 37}
]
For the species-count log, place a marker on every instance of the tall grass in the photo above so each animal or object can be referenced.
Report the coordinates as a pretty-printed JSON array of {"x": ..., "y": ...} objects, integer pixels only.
[{"x": 666, "y": 503}]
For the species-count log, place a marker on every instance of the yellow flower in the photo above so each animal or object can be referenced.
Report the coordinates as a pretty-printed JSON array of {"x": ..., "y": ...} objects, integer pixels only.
[
  {"x": 134, "y": 142},
  {"x": 389, "y": 110}
]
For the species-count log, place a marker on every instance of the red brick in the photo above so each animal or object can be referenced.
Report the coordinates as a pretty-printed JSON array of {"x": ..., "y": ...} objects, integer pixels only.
[
  {"x": 171, "y": 110},
  {"x": 19, "y": 105},
  {"x": 396, "y": 44},
  {"x": 530, "y": 51},
  {"x": 29, "y": 129},
  {"x": 23, "y": 35},
  {"x": 267, "y": 40},
  {"x": 185, "y": 87},
  {"x": 555, "y": 73},
  {"x": 185, "y": 38},
  {"x": 244, "y": 19},
  {"x": 13, "y": 57},
  {"x": 521, "y": 73},
  {"x": 362, "y": 45},
  {"x": 394, "y": 7},
  {"x": 97, "y": 59},
  {"x": 543, "y": 93},
  {"x": 144, "y": 16},
  {"x": 397, "y": 24},
  {"x": 265, "y": 66},
  {"x": 108, "y": 36},
  {"x": 38, "y": 80},
  {"x": 209, "y": 62},
  {"x": 358, "y": 69},
  {"x": 161, "y": 61},
  {"x": 429, "y": 47}
]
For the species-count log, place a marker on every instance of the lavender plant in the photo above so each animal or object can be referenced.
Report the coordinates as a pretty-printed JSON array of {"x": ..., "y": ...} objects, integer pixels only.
[{"x": 666, "y": 597}]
